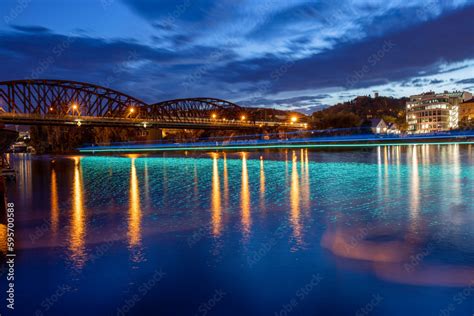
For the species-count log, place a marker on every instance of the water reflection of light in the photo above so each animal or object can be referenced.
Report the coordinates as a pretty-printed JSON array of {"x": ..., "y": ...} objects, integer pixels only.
[
  {"x": 25, "y": 177},
  {"x": 3, "y": 238},
  {"x": 262, "y": 184},
  {"x": 395, "y": 260},
  {"x": 380, "y": 175},
  {"x": 165, "y": 183},
  {"x": 54, "y": 202},
  {"x": 134, "y": 212},
  {"x": 147, "y": 185},
  {"x": 455, "y": 156},
  {"x": 360, "y": 243},
  {"x": 226, "y": 184},
  {"x": 295, "y": 199},
  {"x": 245, "y": 197},
  {"x": 78, "y": 220},
  {"x": 305, "y": 187},
  {"x": 386, "y": 153},
  {"x": 216, "y": 198},
  {"x": 425, "y": 154},
  {"x": 415, "y": 184},
  {"x": 398, "y": 163},
  {"x": 196, "y": 184},
  {"x": 302, "y": 164}
]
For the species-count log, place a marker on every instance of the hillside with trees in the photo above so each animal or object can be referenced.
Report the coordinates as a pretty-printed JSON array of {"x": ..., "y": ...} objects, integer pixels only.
[{"x": 354, "y": 113}]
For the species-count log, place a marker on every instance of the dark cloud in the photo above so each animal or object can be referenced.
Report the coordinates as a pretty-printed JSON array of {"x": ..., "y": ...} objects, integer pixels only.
[
  {"x": 78, "y": 52},
  {"x": 466, "y": 81},
  {"x": 420, "y": 82},
  {"x": 162, "y": 26},
  {"x": 394, "y": 45},
  {"x": 280, "y": 20},
  {"x": 293, "y": 100},
  {"x": 369, "y": 62},
  {"x": 30, "y": 28},
  {"x": 169, "y": 12},
  {"x": 311, "y": 109},
  {"x": 451, "y": 69},
  {"x": 306, "y": 104},
  {"x": 119, "y": 63}
]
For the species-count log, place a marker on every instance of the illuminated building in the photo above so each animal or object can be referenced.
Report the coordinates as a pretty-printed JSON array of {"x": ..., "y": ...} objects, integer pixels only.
[
  {"x": 378, "y": 126},
  {"x": 433, "y": 112},
  {"x": 466, "y": 110}
]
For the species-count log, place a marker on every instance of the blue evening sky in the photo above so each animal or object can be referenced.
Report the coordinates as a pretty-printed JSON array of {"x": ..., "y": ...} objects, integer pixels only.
[{"x": 295, "y": 54}]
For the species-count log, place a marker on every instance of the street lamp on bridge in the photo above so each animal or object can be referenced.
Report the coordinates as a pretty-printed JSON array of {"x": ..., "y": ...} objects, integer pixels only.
[{"x": 75, "y": 108}]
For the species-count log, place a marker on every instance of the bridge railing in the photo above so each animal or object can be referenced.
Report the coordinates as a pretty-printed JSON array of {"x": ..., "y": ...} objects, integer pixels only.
[{"x": 74, "y": 119}]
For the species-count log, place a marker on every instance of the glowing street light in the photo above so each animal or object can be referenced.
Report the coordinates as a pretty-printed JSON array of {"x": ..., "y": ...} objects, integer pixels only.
[
  {"x": 214, "y": 115},
  {"x": 51, "y": 109},
  {"x": 132, "y": 110},
  {"x": 294, "y": 119},
  {"x": 79, "y": 123},
  {"x": 75, "y": 108},
  {"x": 243, "y": 117}
]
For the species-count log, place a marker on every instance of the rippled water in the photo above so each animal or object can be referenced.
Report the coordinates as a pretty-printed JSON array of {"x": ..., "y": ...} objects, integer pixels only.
[{"x": 381, "y": 231}]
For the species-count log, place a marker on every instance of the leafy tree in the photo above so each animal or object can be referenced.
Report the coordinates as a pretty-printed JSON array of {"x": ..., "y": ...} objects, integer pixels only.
[{"x": 353, "y": 113}]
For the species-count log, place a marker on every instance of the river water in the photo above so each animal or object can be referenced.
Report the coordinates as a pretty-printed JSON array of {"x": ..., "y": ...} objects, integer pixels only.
[{"x": 376, "y": 231}]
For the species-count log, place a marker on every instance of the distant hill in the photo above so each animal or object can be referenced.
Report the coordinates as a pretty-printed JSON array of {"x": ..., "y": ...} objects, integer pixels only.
[{"x": 354, "y": 113}]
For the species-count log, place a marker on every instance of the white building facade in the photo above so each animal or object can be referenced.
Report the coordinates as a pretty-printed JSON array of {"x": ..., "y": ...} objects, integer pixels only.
[{"x": 434, "y": 112}]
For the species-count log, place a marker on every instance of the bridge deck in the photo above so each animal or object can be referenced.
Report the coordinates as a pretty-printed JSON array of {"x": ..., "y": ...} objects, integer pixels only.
[{"x": 191, "y": 123}]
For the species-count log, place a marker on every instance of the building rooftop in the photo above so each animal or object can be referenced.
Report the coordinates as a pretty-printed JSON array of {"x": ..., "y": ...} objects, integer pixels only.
[{"x": 375, "y": 122}]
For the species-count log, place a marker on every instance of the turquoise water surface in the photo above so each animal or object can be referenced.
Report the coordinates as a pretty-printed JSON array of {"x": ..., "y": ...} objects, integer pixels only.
[{"x": 367, "y": 231}]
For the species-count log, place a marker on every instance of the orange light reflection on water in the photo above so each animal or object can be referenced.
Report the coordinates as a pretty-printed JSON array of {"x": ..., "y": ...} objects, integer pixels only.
[
  {"x": 216, "y": 207},
  {"x": 262, "y": 185},
  {"x": 134, "y": 212},
  {"x": 245, "y": 197},
  {"x": 78, "y": 218},
  {"x": 54, "y": 203},
  {"x": 295, "y": 200},
  {"x": 3, "y": 238}
]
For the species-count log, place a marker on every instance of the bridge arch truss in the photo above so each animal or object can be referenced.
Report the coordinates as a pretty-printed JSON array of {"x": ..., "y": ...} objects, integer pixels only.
[
  {"x": 62, "y": 98},
  {"x": 61, "y": 102},
  {"x": 197, "y": 109}
]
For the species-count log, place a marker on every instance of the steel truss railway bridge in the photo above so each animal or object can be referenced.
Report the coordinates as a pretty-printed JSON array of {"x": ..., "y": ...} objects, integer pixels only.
[{"x": 60, "y": 102}]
